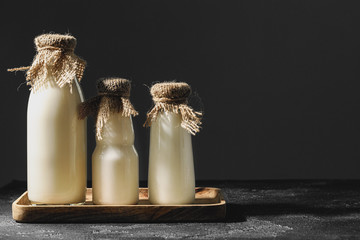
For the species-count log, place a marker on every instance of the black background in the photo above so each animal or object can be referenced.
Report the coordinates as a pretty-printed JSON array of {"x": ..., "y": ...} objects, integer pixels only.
[{"x": 277, "y": 80}]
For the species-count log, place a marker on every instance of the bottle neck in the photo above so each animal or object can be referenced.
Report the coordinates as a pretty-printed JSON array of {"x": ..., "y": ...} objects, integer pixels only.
[
  {"x": 169, "y": 119},
  {"x": 118, "y": 130}
]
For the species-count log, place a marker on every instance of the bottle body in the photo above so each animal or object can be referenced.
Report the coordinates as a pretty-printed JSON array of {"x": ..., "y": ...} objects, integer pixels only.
[
  {"x": 171, "y": 177},
  {"x": 56, "y": 145},
  {"x": 115, "y": 164}
]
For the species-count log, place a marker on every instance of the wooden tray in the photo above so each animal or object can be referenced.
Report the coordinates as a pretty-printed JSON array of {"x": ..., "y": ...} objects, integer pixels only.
[{"x": 209, "y": 205}]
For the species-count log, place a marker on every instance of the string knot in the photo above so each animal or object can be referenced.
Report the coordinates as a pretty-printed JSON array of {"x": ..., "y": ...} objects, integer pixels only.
[
  {"x": 170, "y": 100},
  {"x": 63, "y": 50}
]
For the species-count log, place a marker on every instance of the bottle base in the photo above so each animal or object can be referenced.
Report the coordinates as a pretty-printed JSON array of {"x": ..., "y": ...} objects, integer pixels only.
[
  {"x": 116, "y": 203},
  {"x": 67, "y": 204},
  {"x": 173, "y": 202}
]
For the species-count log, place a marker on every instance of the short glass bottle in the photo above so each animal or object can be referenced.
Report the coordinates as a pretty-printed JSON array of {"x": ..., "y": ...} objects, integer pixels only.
[
  {"x": 171, "y": 177},
  {"x": 115, "y": 164}
]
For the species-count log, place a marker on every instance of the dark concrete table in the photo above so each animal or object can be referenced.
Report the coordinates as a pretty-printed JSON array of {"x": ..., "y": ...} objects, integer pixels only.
[{"x": 256, "y": 209}]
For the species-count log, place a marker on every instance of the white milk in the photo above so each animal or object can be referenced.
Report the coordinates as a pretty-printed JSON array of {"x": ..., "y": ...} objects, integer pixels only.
[
  {"x": 171, "y": 168},
  {"x": 56, "y": 145},
  {"x": 115, "y": 164}
]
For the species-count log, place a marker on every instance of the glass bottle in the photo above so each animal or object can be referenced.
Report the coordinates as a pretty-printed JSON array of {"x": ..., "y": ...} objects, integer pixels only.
[
  {"x": 171, "y": 177},
  {"x": 56, "y": 137},
  {"x": 115, "y": 164}
]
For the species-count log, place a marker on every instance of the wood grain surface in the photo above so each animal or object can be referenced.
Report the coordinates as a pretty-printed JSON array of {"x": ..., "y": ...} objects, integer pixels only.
[{"x": 208, "y": 206}]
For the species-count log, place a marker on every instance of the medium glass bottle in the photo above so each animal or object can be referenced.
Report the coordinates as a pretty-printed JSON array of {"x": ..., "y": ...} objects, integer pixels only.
[
  {"x": 171, "y": 177},
  {"x": 56, "y": 137},
  {"x": 115, "y": 164}
]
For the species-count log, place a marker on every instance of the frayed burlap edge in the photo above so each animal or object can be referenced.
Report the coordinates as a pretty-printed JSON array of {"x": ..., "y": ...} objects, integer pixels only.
[
  {"x": 57, "y": 60},
  {"x": 102, "y": 106},
  {"x": 190, "y": 119},
  {"x": 63, "y": 65}
]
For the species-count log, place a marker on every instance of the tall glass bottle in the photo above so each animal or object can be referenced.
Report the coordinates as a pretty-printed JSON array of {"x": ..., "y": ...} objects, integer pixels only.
[
  {"x": 171, "y": 177},
  {"x": 56, "y": 137},
  {"x": 115, "y": 164}
]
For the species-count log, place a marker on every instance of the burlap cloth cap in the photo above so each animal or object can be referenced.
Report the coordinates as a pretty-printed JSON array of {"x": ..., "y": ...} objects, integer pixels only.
[
  {"x": 114, "y": 86},
  {"x": 55, "y": 56},
  {"x": 172, "y": 97},
  {"x": 113, "y": 97},
  {"x": 171, "y": 92},
  {"x": 65, "y": 42}
]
